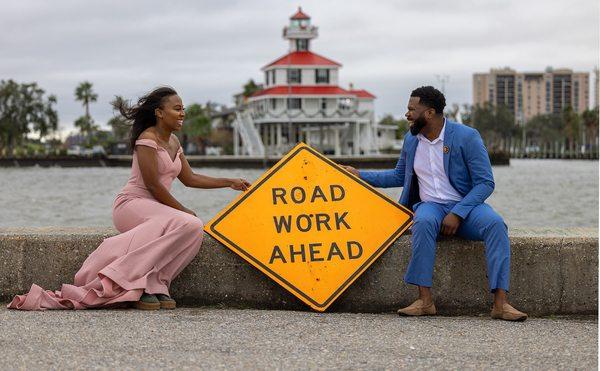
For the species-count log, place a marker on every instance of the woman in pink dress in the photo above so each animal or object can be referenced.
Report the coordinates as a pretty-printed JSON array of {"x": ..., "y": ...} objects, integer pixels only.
[{"x": 159, "y": 236}]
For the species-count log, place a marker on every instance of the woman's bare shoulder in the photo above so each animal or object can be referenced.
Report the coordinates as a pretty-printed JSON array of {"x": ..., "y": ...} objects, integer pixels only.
[
  {"x": 148, "y": 134},
  {"x": 175, "y": 139}
]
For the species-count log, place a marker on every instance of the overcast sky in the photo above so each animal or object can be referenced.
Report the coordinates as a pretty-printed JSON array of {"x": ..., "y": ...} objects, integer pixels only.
[{"x": 207, "y": 49}]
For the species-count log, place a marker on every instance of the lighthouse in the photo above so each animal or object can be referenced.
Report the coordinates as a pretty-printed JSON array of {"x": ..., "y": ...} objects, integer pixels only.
[{"x": 301, "y": 101}]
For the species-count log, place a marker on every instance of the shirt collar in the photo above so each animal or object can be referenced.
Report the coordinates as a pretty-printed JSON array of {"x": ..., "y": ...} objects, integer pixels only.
[{"x": 440, "y": 138}]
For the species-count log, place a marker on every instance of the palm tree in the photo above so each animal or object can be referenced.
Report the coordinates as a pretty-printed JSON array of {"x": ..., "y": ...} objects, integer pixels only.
[{"x": 85, "y": 95}]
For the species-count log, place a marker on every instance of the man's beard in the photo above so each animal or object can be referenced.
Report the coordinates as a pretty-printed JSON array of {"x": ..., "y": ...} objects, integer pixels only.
[{"x": 418, "y": 125}]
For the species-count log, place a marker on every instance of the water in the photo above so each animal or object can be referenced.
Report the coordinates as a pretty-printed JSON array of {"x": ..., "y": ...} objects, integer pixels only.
[{"x": 529, "y": 193}]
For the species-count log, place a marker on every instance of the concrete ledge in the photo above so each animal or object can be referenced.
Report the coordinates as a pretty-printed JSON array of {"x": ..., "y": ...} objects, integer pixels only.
[{"x": 554, "y": 271}]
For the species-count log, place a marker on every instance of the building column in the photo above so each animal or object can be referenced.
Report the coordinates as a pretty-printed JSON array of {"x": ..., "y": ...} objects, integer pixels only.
[
  {"x": 236, "y": 141},
  {"x": 336, "y": 141},
  {"x": 373, "y": 124},
  {"x": 291, "y": 134},
  {"x": 271, "y": 137},
  {"x": 356, "y": 138},
  {"x": 279, "y": 137},
  {"x": 321, "y": 135},
  {"x": 264, "y": 132}
]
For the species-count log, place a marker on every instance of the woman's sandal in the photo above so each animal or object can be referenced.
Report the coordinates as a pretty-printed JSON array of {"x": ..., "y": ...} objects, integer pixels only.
[
  {"x": 165, "y": 301},
  {"x": 148, "y": 302}
]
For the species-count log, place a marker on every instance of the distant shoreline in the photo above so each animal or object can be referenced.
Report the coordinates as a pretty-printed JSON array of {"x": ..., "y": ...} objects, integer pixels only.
[
  {"x": 374, "y": 161},
  {"x": 228, "y": 161}
]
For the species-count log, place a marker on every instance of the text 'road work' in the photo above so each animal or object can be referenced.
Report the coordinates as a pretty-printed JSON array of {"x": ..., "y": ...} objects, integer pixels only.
[{"x": 313, "y": 222}]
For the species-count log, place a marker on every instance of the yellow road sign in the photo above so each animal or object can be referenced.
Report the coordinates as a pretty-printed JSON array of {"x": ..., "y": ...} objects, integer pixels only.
[{"x": 310, "y": 225}]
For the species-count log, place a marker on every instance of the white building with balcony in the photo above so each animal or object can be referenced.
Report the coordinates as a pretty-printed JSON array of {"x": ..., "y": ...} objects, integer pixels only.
[{"x": 301, "y": 101}]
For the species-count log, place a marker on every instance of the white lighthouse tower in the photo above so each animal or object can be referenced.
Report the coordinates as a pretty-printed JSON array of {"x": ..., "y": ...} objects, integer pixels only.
[{"x": 301, "y": 100}]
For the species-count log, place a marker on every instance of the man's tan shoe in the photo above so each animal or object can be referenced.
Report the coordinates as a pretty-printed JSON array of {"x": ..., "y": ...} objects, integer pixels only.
[
  {"x": 418, "y": 309},
  {"x": 508, "y": 313}
]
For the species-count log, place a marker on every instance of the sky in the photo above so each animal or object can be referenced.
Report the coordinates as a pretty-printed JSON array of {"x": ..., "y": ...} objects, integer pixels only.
[{"x": 207, "y": 50}]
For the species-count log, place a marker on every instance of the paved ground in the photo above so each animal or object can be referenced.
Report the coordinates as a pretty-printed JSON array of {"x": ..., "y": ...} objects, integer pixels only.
[{"x": 212, "y": 338}]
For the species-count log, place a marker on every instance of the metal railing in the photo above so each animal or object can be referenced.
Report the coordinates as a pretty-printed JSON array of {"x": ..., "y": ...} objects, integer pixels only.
[{"x": 250, "y": 136}]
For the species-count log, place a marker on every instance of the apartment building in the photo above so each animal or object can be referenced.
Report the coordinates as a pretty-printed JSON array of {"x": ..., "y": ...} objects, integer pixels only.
[{"x": 528, "y": 94}]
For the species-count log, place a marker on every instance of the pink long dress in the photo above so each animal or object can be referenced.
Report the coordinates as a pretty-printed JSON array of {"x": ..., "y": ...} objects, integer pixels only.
[{"x": 155, "y": 244}]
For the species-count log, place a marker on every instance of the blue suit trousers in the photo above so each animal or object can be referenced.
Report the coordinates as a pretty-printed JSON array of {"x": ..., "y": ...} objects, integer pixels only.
[{"x": 481, "y": 224}]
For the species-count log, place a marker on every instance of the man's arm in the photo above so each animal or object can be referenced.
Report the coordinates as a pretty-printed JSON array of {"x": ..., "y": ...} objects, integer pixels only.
[
  {"x": 386, "y": 178},
  {"x": 478, "y": 163}
]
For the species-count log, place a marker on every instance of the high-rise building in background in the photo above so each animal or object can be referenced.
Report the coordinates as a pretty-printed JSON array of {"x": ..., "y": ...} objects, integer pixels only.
[
  {"x": 527, "y": 94},
  {"x": 596, "y": 88}
]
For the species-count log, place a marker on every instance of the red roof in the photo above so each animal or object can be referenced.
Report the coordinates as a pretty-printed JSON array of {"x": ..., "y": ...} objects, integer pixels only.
[
  {"x": 300, "y": 15},
  {"x": 303, "y": 90},
  {"x": 362, "y": 93},
  {"x": 313, "y": 90},
  {"x": 302, "y": 58}
]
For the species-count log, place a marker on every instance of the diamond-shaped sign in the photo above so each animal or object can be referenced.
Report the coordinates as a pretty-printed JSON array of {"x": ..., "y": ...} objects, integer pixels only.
[{"x": 310, "y": 225}]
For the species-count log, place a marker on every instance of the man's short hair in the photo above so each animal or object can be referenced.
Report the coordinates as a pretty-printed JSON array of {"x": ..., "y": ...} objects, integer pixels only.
[{"x": 430, "y": 97}]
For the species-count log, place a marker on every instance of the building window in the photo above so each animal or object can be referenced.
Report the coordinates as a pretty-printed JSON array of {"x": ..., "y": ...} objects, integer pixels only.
[
  {"x": 294, "y": 103},
  {"x": 322, "y": 76},
  {"x": 294, "y": 76},
  {"x": 273, "y": 102},
  {"x": 270, "y": 77},
  {"x": 324, "y": 104},
  {"x": 302, "y": 45},
  {"x": 272, "y": 72}
]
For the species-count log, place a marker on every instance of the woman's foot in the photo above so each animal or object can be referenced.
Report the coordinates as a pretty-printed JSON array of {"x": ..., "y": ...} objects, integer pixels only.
[
  {"x": 166, "y": 302},
  {"x": 148, "y": 302}
]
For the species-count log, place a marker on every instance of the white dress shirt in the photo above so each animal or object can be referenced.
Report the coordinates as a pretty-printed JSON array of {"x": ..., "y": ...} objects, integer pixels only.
[{"x": 434, "y": 185}]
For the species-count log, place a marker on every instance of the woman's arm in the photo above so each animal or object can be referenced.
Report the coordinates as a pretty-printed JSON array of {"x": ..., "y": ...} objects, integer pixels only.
[
  {"x": 190, "y": 179},
  {"x": 148, "y": 164}
]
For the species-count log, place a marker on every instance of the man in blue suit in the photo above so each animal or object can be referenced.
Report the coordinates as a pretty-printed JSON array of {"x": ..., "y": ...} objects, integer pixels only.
[{"x": 446, "y": 175}]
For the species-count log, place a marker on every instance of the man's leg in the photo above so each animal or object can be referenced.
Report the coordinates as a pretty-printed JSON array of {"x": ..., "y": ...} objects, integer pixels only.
[
  {"x": 426, "y": 227},
  {"x": 484, "y": 224}
]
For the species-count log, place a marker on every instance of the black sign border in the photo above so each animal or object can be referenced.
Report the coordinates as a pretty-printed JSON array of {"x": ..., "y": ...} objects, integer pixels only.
[{"x": 356, "y": 273}]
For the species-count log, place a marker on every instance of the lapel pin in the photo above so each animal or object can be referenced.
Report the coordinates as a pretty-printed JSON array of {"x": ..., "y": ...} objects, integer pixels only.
[{"x": 446, "y": 149}]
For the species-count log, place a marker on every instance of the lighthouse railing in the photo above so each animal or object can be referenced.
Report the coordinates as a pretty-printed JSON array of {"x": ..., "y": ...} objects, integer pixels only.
[{"x": 250, "y": 137}]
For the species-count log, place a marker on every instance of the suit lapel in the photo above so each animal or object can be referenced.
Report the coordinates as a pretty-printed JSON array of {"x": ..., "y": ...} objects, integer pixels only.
[
  {"x": 448, "y": 136},
  {"x": 410, "y": 153}
]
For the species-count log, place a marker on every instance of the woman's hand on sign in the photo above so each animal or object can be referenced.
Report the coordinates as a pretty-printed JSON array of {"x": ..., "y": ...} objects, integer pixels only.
[
  {"x": 351, "y": 170},
  {"x": 240, "y": 184}
]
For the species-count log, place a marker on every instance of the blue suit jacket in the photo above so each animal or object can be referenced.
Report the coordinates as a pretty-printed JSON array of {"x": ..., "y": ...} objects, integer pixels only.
[{"x": 466, "y": 162}]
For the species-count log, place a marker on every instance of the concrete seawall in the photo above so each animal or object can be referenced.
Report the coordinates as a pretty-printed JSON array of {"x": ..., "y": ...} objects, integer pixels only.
[{"x": 554, "y": 271}]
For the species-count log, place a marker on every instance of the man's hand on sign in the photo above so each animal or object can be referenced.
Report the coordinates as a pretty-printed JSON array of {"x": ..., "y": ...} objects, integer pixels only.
[
  {"x": 350, "y": 169},
  {"x": 450, "y": 224},
  {"x": 240, "y": 184}
]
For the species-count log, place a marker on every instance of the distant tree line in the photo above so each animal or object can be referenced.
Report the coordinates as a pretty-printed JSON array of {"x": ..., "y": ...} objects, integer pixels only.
[
  {"x": 28, "y": 116},
  {"x": 499, "y": 129},
  {"x": 568, "y": 130},
  {"x": 29, "y": 121},
  {"x": 24, "y": 109}
]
